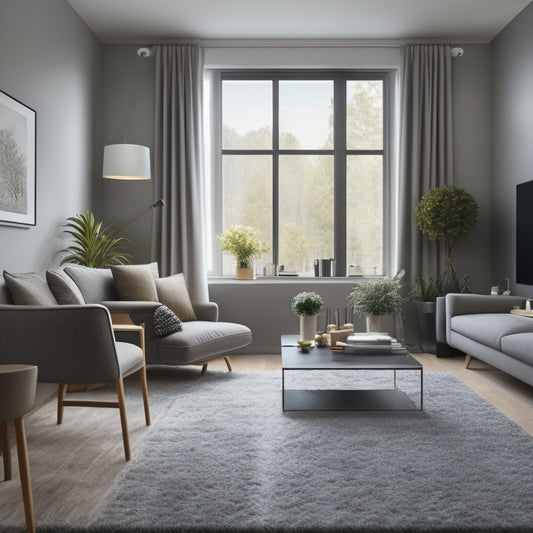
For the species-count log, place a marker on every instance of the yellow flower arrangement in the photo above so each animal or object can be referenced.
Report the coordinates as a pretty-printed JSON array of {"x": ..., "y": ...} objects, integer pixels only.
[{"x": 242, "y": 242}]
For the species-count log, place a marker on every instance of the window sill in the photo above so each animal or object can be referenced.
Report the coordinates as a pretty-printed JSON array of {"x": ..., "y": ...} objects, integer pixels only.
[{"x": 293, "y": 280}]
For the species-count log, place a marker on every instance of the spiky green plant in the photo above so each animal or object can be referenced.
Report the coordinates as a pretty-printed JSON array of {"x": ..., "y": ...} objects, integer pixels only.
[{"x": 95, "y": 245}]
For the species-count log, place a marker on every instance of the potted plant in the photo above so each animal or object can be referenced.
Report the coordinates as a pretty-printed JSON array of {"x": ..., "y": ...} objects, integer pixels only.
[
  {"x": 376, "y": 298},
  {"x": 242, "y": 242},
  {"x": 95, "y": 246},
  {"x": 307, "y": 305},
  {"x": 444, "y": 214}
]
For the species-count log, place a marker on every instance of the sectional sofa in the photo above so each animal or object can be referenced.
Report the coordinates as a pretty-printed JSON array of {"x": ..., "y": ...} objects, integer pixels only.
[{"x": 484, "y": 328}]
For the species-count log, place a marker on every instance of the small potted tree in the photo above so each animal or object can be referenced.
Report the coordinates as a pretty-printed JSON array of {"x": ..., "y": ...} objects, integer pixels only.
[
  {"x": 307, "y": 305},
  {"x": 242, "y": 242},
  {"x": 373, "y": 299},
  {"x": 444, "y": 214}
]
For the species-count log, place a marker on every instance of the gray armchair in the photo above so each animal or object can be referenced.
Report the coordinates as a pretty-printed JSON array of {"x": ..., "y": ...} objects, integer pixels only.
[
  {"x": 72, "y": 345},
  {"x": 199, "y": 341}
]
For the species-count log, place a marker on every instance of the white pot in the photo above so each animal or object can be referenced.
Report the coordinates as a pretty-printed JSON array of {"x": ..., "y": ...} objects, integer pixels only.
[
  {"x": 308, "y": 328},
  {"x": 373, "y": 323}
]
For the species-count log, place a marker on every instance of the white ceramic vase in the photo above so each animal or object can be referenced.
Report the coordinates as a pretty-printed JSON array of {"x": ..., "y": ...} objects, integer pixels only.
[
  {"x": 308, "y": 328},
  {"x": 373, "y": 323}
]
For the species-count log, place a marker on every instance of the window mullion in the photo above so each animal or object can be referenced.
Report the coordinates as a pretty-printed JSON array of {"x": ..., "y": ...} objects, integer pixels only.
[
  {"x": 275, "y": 171},
  {"x": 339, "y": 145}
]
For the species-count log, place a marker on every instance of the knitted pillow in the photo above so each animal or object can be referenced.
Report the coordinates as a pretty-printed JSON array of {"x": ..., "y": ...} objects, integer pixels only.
[{"x": 165, "y": 321}]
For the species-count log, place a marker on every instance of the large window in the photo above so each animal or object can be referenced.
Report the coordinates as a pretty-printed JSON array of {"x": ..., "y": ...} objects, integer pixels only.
[{"x": 302, "y": 157}]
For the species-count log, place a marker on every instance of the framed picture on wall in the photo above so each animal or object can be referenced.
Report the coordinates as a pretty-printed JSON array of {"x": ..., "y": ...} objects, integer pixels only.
[{"x": 17, "y": 162}]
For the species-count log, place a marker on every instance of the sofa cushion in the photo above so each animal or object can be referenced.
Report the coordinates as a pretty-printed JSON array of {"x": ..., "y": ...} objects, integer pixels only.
[
  {"x": 165, "y": 321},
  {"x": 519, "y": 346},
  {"x": 29, "y": 288},
  {"x": 490, "y": 328},
  {"x": 64, "y": 289},
  {"x": 201, "y": 341},
  {"x": 134, "y": 283},
  {"x": 95, "y": 284},
  {"x": 172, "y": 292}
]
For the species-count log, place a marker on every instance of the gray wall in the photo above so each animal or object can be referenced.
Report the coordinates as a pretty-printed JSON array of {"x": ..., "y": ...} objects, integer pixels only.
[
  {"x": 125, "y": 74},
  {"x": 50, "y": 61},
  {"x": 471, "y": 102},
  {"x": 512, "y": 138}
]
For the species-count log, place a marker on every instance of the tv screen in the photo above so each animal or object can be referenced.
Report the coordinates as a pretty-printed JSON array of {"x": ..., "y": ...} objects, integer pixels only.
[{"x": 524, "y": 233}]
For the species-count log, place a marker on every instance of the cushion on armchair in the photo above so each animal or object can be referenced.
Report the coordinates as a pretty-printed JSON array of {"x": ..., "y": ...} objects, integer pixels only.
[
  {"x": 172, "y": 292},
  {"x": 134, "y": 283},
  {"x": 66, "y": 292},
  {"x": 29, "y": 288}
]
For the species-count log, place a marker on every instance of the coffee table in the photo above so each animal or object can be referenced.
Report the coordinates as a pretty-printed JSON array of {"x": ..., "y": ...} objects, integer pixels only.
[{"x": 391, "y": 399}]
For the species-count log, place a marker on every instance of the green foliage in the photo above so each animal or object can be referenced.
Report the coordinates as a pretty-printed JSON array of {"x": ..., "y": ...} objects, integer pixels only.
[
  {"x": 446, "y": 214},
  {"x": 429, "y": 289},
  {"x": 242, "y": 242},
  {"x": 381, "y": 297},
  {"x": 307, "y": 304},
  {"x": 95, "y": 245}
]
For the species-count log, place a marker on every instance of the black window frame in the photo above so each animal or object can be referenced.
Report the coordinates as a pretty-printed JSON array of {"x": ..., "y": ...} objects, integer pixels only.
[{"x": 340, "y": 152}]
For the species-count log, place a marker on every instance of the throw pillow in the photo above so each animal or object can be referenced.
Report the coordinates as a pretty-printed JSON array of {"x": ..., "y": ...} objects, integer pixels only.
[
  {"x": 165, "y": 321},
  {"x": 95, "y": 284},
  {"x": 172, "y": 292},
  {"x": 29, "y": 289},
  {"x": 64, "y": 289},
  {"x": 134, "y": 283}
]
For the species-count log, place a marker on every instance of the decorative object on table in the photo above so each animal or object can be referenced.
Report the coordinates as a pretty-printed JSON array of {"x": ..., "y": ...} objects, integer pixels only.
[
  {"x": 95, "y": 246},
  {"x": 307, "y": 305},
  {"x": 372, "y": 344},
  {"x": 339, "y": 335},
  {"x": 17, "y": 162},
  {"x": 242, "y": 242},
  {"x": 376, "y": 298},
  {"x": 305, "y": 345}
]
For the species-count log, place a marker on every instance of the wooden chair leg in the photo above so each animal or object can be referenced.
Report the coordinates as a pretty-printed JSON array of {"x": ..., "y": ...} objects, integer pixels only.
[
  {"x": 61, "y": 391},
  {"x": 5, "y": 449},
  {"x": 468, "y": 360},
  {"x": 123, "y": 418},
  {"x": 228, "y": 363},
  {"x": 144, "y": 386},
  {"x": 24, "y": 469},
  {"x": 204, "y": 369}
]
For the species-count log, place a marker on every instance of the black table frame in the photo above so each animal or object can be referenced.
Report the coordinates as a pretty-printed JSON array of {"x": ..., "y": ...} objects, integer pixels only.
[{"x": 292, "y": 359}]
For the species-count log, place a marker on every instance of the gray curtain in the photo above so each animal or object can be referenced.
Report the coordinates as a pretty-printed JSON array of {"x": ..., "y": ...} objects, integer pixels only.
[
  {"x": 178, "y": 242},
  {"x": 426, "y": 153}
]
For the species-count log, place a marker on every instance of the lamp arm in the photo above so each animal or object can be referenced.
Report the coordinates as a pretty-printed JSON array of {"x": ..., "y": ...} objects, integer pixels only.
[{"x": 159, "y": 203}]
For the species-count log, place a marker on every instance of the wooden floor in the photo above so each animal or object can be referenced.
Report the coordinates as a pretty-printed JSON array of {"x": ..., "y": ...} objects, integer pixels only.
[{"x": 511, "y": 396}]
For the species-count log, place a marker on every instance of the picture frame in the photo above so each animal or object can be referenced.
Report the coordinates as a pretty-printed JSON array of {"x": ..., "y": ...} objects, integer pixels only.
[{"x": 18, "y": 136}]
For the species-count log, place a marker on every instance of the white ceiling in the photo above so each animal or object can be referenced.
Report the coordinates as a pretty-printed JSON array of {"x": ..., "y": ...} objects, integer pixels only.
[{"x": 152, "y": 21}]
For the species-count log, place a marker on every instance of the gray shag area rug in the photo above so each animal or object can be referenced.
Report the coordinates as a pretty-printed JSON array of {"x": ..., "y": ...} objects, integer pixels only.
[{"x": 222, "y": 456}]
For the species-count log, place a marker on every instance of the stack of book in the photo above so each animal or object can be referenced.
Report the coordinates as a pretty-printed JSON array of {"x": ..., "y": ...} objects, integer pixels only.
[{"x": 372, "y": 344}]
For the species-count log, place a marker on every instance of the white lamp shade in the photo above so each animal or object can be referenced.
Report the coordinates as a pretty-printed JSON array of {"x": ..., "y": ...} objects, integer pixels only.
[{"x": 126, "y": 162}]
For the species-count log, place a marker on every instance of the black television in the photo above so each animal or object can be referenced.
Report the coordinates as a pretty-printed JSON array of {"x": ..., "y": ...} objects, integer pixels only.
[{"x": 524, "y": 233}]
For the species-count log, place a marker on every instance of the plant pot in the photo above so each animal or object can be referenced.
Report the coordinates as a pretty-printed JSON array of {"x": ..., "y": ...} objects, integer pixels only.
[
  {"x": 308, "y": 327},
  {"x": 426, "y": 323},
  {"x": 373, "y": 323},
  {"x": 244, "y": 273}
]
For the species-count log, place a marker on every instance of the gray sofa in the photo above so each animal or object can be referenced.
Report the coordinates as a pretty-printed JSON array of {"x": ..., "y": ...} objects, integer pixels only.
[
  {"x": 483, "y": 327},
  {"x": 199, "y": 341}
]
